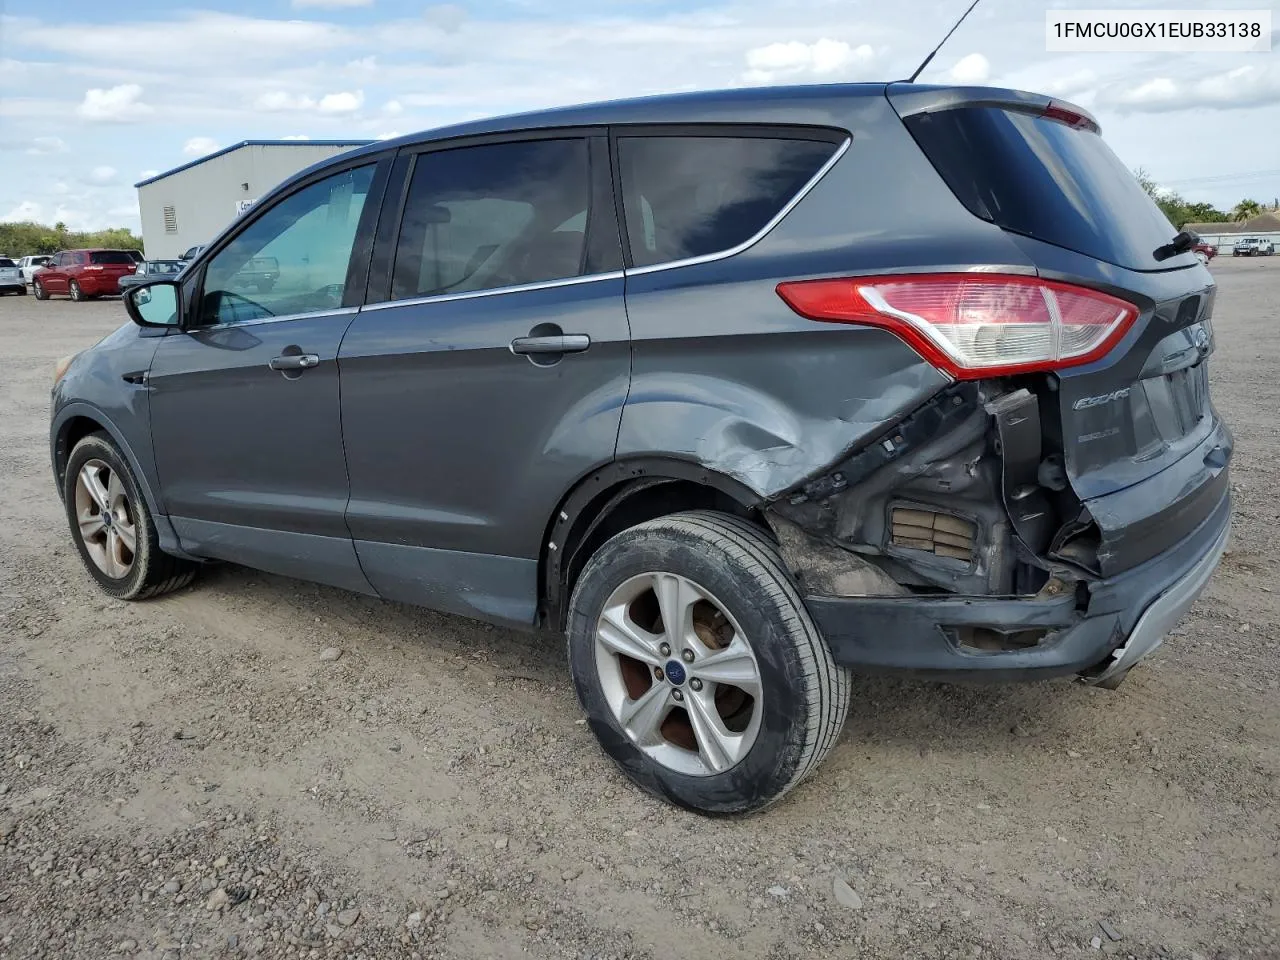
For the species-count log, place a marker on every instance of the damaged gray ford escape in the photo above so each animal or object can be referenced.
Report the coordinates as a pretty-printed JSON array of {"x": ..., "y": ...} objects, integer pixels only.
[{"x": 741, "y": 392}]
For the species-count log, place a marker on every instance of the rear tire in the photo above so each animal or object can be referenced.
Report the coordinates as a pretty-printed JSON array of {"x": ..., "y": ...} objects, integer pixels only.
[
  {"x": 122, "y": 552},
  {"x": 736, "y": 604}
]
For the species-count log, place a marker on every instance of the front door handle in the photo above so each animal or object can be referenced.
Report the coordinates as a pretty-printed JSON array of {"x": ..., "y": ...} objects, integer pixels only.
[
  {"x": 295, "y": 361},
  {"x": 557, "y": 344}
]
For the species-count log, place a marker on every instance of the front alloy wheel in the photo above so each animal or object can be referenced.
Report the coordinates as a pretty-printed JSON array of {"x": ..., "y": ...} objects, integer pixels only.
[
  {"x": 105, "y": 519},
  {"x": 113, "y": 530}
]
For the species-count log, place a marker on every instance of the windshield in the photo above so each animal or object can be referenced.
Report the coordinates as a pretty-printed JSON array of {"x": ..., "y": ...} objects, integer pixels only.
[
  {"x": 6, "y": 262},
  {"x": 111, "y": 256},
  {"x": 1042, "y": 178}
]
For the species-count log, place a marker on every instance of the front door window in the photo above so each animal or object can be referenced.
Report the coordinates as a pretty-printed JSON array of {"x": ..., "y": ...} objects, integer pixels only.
[{"x": 293, "y": 259}]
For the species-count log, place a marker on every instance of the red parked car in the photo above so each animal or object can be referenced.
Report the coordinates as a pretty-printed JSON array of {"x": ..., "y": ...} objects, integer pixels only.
[
  {"x": 81, "y": 274},
  {"x": 1204, "y": 252}
]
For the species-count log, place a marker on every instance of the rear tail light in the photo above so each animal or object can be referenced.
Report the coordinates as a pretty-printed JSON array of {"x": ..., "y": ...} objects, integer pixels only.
[{"x": 974, "y": 325}]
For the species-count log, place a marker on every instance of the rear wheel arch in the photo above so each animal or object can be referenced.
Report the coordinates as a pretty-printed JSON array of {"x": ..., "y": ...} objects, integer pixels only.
[{"x": 620, "y": 495}]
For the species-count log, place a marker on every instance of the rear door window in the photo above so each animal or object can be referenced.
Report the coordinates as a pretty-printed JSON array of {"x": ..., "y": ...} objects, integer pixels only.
[
  {"x": 116, "y": 257},
  {"x": 691, "y": 196},
  {"x": 1042, "y": 178},
  {"x": 492, "y": 216}
]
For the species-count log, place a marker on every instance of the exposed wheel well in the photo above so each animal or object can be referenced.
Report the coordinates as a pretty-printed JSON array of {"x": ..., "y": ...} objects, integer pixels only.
[
  {"x": 72, "y": 432},
  {"x": 618, "y": 497}
]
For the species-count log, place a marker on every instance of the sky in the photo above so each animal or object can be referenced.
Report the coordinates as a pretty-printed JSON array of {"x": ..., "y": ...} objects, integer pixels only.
[{"x": 94, "y": 97}]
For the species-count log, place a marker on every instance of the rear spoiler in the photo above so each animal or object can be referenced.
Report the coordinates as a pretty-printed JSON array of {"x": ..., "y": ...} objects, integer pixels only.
[{"x": 909, "y": 99}]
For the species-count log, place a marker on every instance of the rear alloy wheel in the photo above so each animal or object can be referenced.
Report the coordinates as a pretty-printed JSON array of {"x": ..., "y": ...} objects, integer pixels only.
[
  {"x": 699, "y": 668},
  {"x": 76, "y": 293},
  {"x": 38, "y": 289},
  {"x": 112, "y": 527}
]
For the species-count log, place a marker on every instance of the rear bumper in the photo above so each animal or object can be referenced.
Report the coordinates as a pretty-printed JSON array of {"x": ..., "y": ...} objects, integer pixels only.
[
  {"x": 1122, "y": 620},
  {"x": 99, "y": 285}
]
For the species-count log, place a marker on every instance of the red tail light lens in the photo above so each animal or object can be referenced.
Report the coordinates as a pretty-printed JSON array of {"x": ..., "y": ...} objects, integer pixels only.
[
  {"x": 974, "y": 325},
  {"x": 1071, "y": 116}
]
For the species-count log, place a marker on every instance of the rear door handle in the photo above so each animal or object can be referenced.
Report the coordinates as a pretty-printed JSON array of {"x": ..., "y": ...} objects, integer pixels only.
[
  {"x": 295, "y": 361},
  {"x": 561, "y": 343}
]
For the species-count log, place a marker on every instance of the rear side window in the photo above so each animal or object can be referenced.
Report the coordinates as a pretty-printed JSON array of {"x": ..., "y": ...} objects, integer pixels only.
[
  {"x": 111, "y": 256},
  {"x": 1044, "y": 179},
  {"x": 6, "y": 262},
  {"x": 497, "y": 215},
  {"x": 693, "y": 196}
]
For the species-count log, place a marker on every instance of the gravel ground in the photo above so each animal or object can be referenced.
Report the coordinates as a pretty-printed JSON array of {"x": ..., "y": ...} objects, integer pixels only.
[{"x": 197, "y": 777}]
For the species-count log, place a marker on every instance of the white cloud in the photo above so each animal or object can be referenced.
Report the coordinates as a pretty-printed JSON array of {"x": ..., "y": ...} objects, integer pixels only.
[
  {"x": 41, "y": 146},
  {"x": 344, "y": 102},
  {"x": 1071, "y": 84},
  {"x": 148, "y": 174},
  {"x": 794, "y": 60},
  {"x": 199, "y": 146},
  {"x": 280, "y": 101},
  {"x": 187, "y": 42},
  {"x": 101, "y": 176},
  {"x": 393, "y": 108},
  {"x": 448, "y": 17},
  {"x": 363, "y": 64},
  {"x": 120, "y": 104},
  {"x": 296, "y": 136},
  {"x": 390, "y": 135},
  {"x": 26, "y": 210},
  {"x": 331, "y": 4},
  {"x": 1240, "y": 88},
  {"x": 973, "y": 69}
]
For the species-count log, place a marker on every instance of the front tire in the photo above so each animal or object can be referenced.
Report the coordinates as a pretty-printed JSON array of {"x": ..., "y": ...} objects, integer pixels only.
[
  {"x": 76, "y": 293},
  {"x": 735, "y": 704},
  {"x": 112, "y": 527}
]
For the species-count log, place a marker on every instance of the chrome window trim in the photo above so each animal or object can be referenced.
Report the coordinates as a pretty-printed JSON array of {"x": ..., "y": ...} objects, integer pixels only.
[
  {"x": 759, "y": 235},
  {"x": 312, "y": 315},
  {"x": 495, "y": 291}
]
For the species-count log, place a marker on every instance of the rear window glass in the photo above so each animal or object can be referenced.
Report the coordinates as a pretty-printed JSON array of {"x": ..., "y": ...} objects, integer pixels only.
[
  {"x": 692, "y": 196},
  {"x": 495, "y": 215},
  {"x": 6, "y": 262},
  {"x": 1044, "y": 179},
  {"x": 111, "y": 256}
]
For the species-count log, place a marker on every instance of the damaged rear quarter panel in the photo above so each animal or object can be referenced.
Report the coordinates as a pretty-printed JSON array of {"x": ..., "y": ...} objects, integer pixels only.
[{"x": 769, "y": 412}]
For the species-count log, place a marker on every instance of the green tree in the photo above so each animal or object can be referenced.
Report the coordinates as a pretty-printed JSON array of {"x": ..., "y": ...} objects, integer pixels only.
[
  {"x": 24, "y": 238},
  {"x": 1246, "y": 209},
  {"x": 1173, "y": 206}
]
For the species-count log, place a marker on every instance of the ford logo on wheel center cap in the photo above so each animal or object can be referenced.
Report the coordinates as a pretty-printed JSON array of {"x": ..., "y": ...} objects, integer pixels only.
[{"x": 675, "y": 672}]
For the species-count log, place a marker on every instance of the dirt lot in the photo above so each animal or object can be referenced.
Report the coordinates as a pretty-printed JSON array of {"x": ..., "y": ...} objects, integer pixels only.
[{"x": 189, "y": 778}]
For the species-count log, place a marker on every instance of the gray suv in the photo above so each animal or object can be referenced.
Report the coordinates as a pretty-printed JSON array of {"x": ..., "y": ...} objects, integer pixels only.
[{"x": 739, "y": 392}]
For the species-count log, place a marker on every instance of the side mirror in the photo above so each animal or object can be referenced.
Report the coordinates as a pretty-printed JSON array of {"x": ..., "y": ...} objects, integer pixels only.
[{"x": 154, "y": 304}]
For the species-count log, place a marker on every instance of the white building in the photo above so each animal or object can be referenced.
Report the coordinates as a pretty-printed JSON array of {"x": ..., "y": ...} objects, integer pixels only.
[{"x": 190, "y": 204}]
